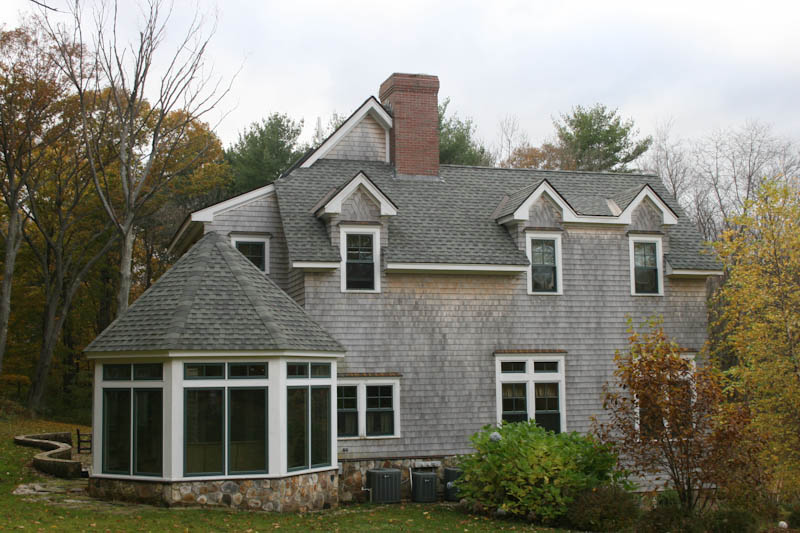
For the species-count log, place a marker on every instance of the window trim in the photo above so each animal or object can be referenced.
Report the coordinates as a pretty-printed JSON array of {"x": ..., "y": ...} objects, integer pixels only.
[
  {"x": 530, "y": 378},
  {"x": 361, "y": 394},
  {"x": 531, "y": 235},
  {"x": 632, "y": 239},
  {"x": 258, "y": 238},
  {"x": 345, "y": 230}
]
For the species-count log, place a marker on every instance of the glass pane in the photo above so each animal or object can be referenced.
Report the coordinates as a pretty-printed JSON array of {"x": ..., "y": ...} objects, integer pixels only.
[
  {"x": 204, "y": 431},
  {"x": 644, "y": 254},
  {"x": 346, "y": 397},
  {"x": 320, "y": 370},
  {"x": 380, "y": 423},
  {"x": 204, "y": 371},
  {"x": 297, "y": 427},
  {"x": 549, "y": 421},
  {"x": 348, "y": 423},
  {"x": 379, "y": 397},
  {"x": 543, "y": 252},
  {"x": 646, "y": 280},
  {"x": 320, "y": 426},
  {"x": 361, "y": 276},
  {"x": 247, "y": 448},
  {"x": 117, "y": 372},
  {"x": 512, "y": 367},
  {"x": 514, "y": 417},
  {"x": 247, "y": 370},
  {"x": 543, "y": 279},
  {"x": 116, "y": 430},
  {"x": 359, "y": 247},
  {"x": 254, "y": 251},
  {"x": 545, "y": 366},
  {"x": 148, "y": 431},
  {"x": 148, "y": 372},
  {"x": 297, "y": 370},
  {"x": 514, "y": 402}
]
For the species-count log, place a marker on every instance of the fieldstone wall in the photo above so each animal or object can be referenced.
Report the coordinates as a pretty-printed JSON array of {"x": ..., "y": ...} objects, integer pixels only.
[
  {"x": 298, "y": 493},
  {"x": 353, "y": 477},
  {"x": 56, "y": 460}
]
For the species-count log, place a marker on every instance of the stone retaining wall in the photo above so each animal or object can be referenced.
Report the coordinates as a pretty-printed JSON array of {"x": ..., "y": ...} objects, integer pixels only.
[
  {"x": 301, "y": 492},
  {"x": 56, "y": 460},
  {"x": 353, "y": 477}
]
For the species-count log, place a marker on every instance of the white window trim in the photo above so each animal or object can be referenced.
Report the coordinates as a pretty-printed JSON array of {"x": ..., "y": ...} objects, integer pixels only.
[
  {"x": 344, "y": 230},
  {"x": 556, "y": 236},
  {"x": 659, "y": 263},
  {"x": 529, "y": 377},
  {"x": 361, "y": 384},
  {"x": 244, "y": 237}
]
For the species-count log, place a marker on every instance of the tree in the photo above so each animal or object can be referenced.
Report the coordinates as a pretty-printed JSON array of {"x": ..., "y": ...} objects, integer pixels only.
[
  {"x": 457, "y": 142},
  {"x": 320, "y": 133},
  {"x": 548, "y": 156},
  {"x": 759, "y": 320},
  {"x": 664, "y": 417},
  {"x": 669, "y": 159},
  {"x": 30, "y": 88},
  {"x": 598, "y": 139},
  {"x": 264, "y": 151},
  {"x": 117, "y": 77}
]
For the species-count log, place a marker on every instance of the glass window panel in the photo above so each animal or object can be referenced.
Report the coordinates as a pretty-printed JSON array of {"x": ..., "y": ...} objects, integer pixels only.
[
  {"x": 380, "y": 423},
  {"x": 547, "y": 413},
  {"x": 512, "y": 367},
  {"x": 255, "y": 251},
  {"x": 514, "y": 402},
  {"x": 361, "y": 276},
  {"x": 117, "y": 372},
  {"x": 360, "y": 268},
  {"x": 545, "y": 366},
  {"x": 646, "y": 280},
  {"x": 204, "y": 415},
  {"x": 347, "y": 410},
  {"x": 543, "y": 252},
  {"x": 543, "y": 278},
  {"x": 116, "y": 430},
  {"x": 204, "y": 371},
  {"x": 359, "y": 247},
  {"x": 148, "y": 431},
  {"x": 247, "y": 448},
  {"x": 320, "y": 426},
  {"x": 148, "y": 372},
  {"x": 297, "y": 427},
  {"x": 347, "y": 397},
  {"x": 549, "y": 421},
  {"x": 247, "y": 370},
  {"x": 320, "y": 370},
  {"x": 297, "y": 370},
  {"x": 380, "y": 413}
]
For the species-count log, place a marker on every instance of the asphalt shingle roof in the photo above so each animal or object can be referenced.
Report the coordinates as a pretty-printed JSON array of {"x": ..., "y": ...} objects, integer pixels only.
[
  {"x": 451, "y": 219},
  {"x": 214, "y": 298}
]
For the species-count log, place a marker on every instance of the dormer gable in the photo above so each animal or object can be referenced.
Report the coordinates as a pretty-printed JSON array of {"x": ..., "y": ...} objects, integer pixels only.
[
  {"x": 648, "y": 199},
  {"x": 363, "y": 136},
  {"x": 518, "y": 206},
  {"x": 360, "y": 187}
]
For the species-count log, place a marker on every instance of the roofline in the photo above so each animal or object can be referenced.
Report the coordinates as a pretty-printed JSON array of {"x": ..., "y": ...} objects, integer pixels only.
[
  {"x": 174, "y": 354},
  {"x": 554, "y": 171},
  {"x": 454, "y": 267}
]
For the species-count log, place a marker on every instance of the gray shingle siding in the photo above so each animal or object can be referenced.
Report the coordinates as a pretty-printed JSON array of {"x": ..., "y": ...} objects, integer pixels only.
[{"x": 366, "y": 141}]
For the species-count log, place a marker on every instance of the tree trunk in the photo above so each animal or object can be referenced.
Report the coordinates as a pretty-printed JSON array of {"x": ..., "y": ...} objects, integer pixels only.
[
  {"x": 50, "y": 330},
  {"x": 125, "y": 259},
  {"x": 13, "y": 241}
]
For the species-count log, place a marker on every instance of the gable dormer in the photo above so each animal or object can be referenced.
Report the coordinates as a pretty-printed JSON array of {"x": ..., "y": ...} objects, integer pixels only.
[{"x": 644, "y": 207}]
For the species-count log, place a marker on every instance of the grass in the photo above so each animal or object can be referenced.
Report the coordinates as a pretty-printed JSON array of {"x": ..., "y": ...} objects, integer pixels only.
[{"x": 66, "y": 512}]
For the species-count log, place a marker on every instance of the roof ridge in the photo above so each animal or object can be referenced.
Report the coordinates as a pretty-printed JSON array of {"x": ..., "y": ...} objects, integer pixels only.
[{"x": 554, "y": 171}]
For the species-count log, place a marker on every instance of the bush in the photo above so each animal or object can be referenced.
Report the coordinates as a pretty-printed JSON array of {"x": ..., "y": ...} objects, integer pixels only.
[
  {"x": 605, "y": 508},
  {"x": 794, "y": 517},
  {"x": 668, "y": 519},
  {"x": 726, "y": 520},
  {"x": 523, "y": 470}
]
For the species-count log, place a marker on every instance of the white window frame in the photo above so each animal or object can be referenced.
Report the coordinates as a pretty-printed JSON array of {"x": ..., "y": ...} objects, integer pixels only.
[
  {"x": 531, "y": 235},
  {"x": 243, "y": 237},
  {"x": 346, "y": 230},
  {"x": 632, "y": 239},
  {"x": 530, "y": 377},
  {"x": 361, "y": 392}
]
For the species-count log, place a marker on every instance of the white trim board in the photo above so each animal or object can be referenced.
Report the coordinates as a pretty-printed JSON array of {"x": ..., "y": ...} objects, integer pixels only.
[
  {"x": 689, "y": 273},
  {"x": 334, "y": 205},
  {"x": 208, "y": 214},
  {"x": 632, "y": 239},
  {"x": 453, "y": 267},
  {"x": 172, "y": 354},
  {"x": 545, "y": 235},
  {"x": 344, "y": 230}
]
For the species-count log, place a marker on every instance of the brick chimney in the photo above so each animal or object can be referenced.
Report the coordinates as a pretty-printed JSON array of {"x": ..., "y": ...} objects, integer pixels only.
[{"x": 414, "y": 139}]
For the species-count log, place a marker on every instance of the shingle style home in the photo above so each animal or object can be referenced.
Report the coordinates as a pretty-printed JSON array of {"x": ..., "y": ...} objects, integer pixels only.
[{"x": 372, "y": 307}]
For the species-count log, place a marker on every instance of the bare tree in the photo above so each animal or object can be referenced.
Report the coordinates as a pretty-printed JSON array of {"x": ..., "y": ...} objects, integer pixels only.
[
  {"x": 510, "y": 137},
  {"x": 669, "y": 158},
  {"x": 143, "y": 111}
]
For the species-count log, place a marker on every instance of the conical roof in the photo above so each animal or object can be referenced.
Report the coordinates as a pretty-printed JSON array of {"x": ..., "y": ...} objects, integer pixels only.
[{"x": 214, "y": 299}]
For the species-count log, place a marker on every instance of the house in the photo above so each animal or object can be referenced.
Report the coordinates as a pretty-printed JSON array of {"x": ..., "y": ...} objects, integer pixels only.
[{"x": 373, "y": 307}]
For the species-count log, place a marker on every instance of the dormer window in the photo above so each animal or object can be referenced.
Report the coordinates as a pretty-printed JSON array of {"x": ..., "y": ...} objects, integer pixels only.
[
  {"x": 360, "y": 249},
  {"x": 544, "y": 252},
  {"x": 646, "y": 270},
  {"x": 255, "y": 248}
]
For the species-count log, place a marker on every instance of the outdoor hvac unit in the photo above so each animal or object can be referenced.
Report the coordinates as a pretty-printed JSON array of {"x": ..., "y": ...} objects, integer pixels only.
[
  {"x": 450, "y": 491},
  {"x": 384, "y": 485},
  {"x": 423, "y": 486}
]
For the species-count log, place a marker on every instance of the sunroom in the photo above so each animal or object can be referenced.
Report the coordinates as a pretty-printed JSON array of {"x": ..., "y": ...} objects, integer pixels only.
[{"x": 215, "y": 387}]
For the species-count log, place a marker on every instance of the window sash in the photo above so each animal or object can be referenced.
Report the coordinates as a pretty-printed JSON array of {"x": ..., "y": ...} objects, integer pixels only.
[
  {"x": 248, "y": 430},
  {"x": 308, "y": 425},
  {"x": 148, "y": 437},
  {"x": 248, "y": 371},
  {"x": 116, "y": 457},
  {"x": 204, "y": 431},
  {"x": 360, "y": 261},
  {"x": 514, "y": 398},
  {"x": 116, "y": 372},
  {"x": 645, "y": 267},
  {"x": 203, "y": 371},
  {"x": 379, "y": 410},
  {"x": 347, "y": 410},
  {"x": 255, "y": 251}
]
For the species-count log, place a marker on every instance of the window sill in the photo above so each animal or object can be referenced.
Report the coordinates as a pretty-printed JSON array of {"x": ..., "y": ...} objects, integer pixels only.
[
  {"x": 361, "y": 291},
  {"x": 532, "y": 293},
  {"x": 371, "y": 437},
  {"x": 646, "y": 295}
]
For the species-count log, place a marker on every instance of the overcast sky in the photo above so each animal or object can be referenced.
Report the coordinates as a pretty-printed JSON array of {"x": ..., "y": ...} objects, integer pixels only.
[{"x": 705, "y": 65}]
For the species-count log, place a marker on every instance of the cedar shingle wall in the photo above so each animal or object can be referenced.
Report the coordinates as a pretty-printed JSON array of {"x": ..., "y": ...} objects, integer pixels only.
[{"x": 365, "y": 142}]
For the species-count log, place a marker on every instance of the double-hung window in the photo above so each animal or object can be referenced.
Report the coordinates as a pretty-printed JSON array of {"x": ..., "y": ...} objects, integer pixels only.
[
  {"x": 544, "y": 252},
  {"x": 253, "y": 247},
  {"x": 646, "y": 266},
  {"x": 531, "y": 388},
  {"x": 368, "y": 408},
  {"x": 360, "y": 250}
]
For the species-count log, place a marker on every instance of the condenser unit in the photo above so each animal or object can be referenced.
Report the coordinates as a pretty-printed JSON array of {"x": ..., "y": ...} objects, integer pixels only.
[
  {"x": 423, "y": 486},
  {"x": 384, "y": 485}
]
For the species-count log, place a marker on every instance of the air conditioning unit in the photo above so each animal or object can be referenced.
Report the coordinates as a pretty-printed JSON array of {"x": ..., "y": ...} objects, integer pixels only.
[
  {"x": 450, "y": 491},
  {"x": 384, "y": 485},
  {"x": 423, "y": 486}
]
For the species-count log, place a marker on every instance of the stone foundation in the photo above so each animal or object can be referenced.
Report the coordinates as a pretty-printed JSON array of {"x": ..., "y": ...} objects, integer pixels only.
[
  {"x": 353, "y": 477},
  {"x": 298, "y": 493}
]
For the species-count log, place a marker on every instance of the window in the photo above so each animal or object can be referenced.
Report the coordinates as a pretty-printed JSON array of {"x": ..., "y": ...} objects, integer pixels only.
[
  {"x": 203, "y": 431},
  {"x": 544, "y": 252},
  {"x": 308, "y": 427},
  {"x": 141, "y": 372},
  {"x": 531, "y": 387},
  {"x": 255, "y": 248},
  {"x": 247, "y": 370},
  {"x": 204, "y": 371},
  {"x": 148, "y": 372},
  {"x": 117, "y": 372},
  {"x": 368, "y": 408},
  {"x": 247, "y": 430},
  {"x": 646, "y": 274},
  {"x": 116, "y": 431},
  {"x": 301, "y": 370},
  {"x": 360, "y": 252},
  {"x": 148, "y": 412}
]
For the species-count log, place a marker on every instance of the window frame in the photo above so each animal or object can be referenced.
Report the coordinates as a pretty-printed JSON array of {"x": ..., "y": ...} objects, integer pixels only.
[
  {"x": 253, "y": 238},
  {"x": 361, "y": 402},
  {"x": 531, "y": 235},
  {"x": 657, "y": 240},
  {"x": 375, "y": 231},
  {"x": 530, "y": 377},
  {"x": 346, "y": 410}
]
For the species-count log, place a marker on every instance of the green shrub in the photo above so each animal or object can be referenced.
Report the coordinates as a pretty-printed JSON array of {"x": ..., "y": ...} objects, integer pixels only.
[
  {"x": 727, "y": 520},
  {"x": 669, "y": 519},
  {"x": 523, "y": 470},
  {"x": 794, "y": 517},
  {"x": 605, "y": 508}
]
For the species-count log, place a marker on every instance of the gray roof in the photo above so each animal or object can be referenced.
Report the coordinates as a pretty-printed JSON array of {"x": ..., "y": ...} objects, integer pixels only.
[
  {"x": 451, "y": 219},
  {"x": 214, "y": 298}
]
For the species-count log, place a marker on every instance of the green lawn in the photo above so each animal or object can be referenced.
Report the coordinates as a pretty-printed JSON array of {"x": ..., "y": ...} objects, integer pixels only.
[{"x": 68, "y": 512}]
